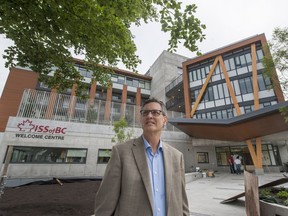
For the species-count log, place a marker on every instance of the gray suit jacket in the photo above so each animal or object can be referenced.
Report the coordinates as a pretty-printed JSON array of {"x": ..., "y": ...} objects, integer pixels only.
[{"x": 126, "y": 189}]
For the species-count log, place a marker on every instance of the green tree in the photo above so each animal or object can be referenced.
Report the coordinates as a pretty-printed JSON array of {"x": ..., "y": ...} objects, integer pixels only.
[
  {"x": 278, "y": 59},
  {"x": 46, "y": 32},
  {"x": 122, "y": 133}
]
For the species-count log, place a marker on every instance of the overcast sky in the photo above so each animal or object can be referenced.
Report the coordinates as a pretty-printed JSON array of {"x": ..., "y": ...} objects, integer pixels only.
[{"x": 227, "y": 21}]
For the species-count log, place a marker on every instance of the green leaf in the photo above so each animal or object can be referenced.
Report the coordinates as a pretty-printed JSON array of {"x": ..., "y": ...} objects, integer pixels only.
[{"x": 46, "y": 33}]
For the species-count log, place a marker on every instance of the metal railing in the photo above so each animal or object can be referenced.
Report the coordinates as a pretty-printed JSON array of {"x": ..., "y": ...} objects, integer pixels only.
[
  {"x": 53, "y": 106},
  {"x": 178, "y": 100},
  {"x": 174, "y": 83}
]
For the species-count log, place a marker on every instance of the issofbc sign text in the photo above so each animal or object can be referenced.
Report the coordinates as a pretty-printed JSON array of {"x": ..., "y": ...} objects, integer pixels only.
[{"x": 43, "y": 131}]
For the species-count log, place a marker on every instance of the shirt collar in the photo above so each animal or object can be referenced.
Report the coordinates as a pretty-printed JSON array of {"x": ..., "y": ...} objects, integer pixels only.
[{"x": 147, "y": 145}]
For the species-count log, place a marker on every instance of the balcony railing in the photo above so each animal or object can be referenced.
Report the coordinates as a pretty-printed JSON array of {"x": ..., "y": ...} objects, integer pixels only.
[
  {"x": 174, "y": 83},
  {"x": 60, "y": 107},
  {"x": 179, "y": 100}
]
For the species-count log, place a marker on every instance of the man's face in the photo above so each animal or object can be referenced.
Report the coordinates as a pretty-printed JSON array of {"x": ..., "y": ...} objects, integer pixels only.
[{"x": 152, "y": 117}]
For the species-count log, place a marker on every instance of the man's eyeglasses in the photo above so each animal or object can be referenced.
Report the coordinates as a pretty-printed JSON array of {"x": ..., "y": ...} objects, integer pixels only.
[{"x": 154, "y": 113}]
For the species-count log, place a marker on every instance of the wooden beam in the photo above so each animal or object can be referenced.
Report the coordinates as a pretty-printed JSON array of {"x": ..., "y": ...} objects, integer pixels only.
[
  {"x": 204, "y": 87},
  {"x": 229, "y": 86},
  {"x": 186, "y": 90},
  {"x": 255, "y": 77},
  {"x": 259, "y": 153},
  {"x": 252, "y": 152}
]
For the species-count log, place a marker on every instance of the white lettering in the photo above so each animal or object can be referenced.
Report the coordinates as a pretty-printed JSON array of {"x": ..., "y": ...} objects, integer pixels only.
[{"x": 39, "y": 136}]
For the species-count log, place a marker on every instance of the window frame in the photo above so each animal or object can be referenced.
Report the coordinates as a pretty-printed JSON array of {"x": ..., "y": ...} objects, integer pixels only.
[
  {"x": 29, "y": 155},
  {"x": 103, "y": 159},
  {"x": 202, "y": 157}
]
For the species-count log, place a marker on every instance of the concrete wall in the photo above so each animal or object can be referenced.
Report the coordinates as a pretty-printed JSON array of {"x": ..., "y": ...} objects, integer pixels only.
[
  {"x": 94, "y": 137},
  {"x": 164, "y": 70},
  {"x": 77, "y": 135},
  {"x": 1, "y": 136}
]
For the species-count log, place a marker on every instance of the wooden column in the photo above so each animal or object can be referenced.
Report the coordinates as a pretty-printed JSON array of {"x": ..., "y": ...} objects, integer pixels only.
[
  {"x": 252, "y": 152},
  {"x": 259, "y": 153},
  {"x": 123, "y": 101},
  {"x": 108, "y": 105},
  {"x": 72, "y": 102},
  {"x": 138, "y": 107},
  {"x": 255, "y": 77},
  {"x": 256, "y": 156},
  {"x": 51, "y": 104},
  {"x": 92, "y": 93},
  {"x": 186, "y": 90}
]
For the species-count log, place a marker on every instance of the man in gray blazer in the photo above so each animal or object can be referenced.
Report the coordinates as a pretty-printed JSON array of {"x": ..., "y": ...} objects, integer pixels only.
[{"x": 144, "y": 176}]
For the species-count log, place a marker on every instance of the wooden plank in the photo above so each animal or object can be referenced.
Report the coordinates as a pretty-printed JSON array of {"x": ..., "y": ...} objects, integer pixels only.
[
  {"x": 270, "y": 184},
  {"x": 251, "y": 194},
  {"x": 59, "y": 182}
]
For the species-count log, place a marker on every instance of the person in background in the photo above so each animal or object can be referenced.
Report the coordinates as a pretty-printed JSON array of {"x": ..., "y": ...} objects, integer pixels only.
[
  {"x": 144, "y": 176},
  {"x": 237, "y": 162},
  {"x": 234, "y": 158},
  {"x": 231, "y": 163}
]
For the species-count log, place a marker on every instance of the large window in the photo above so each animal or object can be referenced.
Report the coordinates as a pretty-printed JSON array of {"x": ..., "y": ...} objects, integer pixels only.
[
  {"x": 202, "y": 157},
  {"x": 25, "y": 154},
  {"x": 103, "y": 156},
  {"x": 270, "y": 155},
  {"x": 130, "y": 81},
  {"x": 260, "y": 55},
  {"x": 222, "y": 154},
  {"x": 116, "y": 97},
  {"x": 246, "y": 85}
]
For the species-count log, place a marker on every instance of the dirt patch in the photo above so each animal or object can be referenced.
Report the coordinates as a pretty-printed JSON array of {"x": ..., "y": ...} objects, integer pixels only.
[{"x": 73, "y": 198}]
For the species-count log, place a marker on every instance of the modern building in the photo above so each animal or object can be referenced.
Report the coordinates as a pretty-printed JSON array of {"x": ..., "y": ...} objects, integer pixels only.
[
  {"x": 228, "y": 97},
  {"x": 47, "y": 134},
  {"x": 218, "y": 104}
]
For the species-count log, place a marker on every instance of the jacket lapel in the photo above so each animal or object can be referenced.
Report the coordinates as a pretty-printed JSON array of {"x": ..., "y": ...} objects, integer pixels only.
[
  {"x": 168, "y": 164},
  {"x": 139, "y": 153}
]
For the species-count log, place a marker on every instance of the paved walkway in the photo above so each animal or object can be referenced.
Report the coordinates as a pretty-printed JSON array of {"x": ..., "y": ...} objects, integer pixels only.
[{"x": 205, "y": 194}]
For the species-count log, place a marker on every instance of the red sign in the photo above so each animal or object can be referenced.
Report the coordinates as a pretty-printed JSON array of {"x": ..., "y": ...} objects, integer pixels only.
[{"x": 28, "y": 126}]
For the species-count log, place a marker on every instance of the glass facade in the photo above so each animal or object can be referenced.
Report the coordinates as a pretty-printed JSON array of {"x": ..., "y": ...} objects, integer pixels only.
[
  {"x": 35, "y": 104},
  {"x": 216, "y": 102},
  {"x": 270, "y": 155},
  {"x": 48, "y": 155},
  {"x": 118, "y": 78},
  {"x": 133, "y": 82}
]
